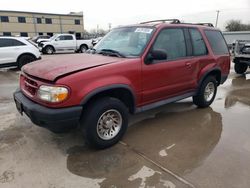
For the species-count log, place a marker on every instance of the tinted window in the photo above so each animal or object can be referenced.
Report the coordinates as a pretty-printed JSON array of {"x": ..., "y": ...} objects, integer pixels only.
[
  {"x": 4, "y": 18},
  {"x": 17, "y": 43},
  {"x": 48, "y": 20},
  {"x": 199, "y": 47},
  {"x": 10, "y": 42},
  {"x": 24, "y": 34},
  {"x": 21, "y": 20},
  {"x": 67, "y": 37},
  {"x": 61, "y": 38},
  {"x": 173, "y": 42},
  {"x": 77, "y": 22},
  {"x": 217, "y": 42},
  {"x": 39, "y": 20}
]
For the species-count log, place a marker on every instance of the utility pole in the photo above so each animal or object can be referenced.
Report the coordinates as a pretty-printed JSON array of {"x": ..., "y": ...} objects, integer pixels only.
[
  {"x": 97, "y": 29},
  {"x": 217, "y": 18},
  {"x": 109, "y": 26}
]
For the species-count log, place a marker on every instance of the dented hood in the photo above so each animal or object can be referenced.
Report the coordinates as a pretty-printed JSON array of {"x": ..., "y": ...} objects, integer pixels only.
[{"x": 52, "y": 67}]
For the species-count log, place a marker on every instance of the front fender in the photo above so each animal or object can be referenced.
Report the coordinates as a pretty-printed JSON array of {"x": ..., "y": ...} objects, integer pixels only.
[
  {"x": 106, "y": 88},
  {"x": 103, "y": 84}
]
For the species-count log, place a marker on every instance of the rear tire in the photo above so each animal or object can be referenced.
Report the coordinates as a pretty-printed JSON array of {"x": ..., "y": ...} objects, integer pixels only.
[
  {"x": 25, "y": 59},
  {"x": 105, "y": 122},
  {"x": 207, "y": 92},
  {"x": 240, "y": 68}
]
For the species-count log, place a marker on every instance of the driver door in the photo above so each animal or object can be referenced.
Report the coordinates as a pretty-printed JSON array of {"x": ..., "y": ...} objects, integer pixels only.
[{"x": 168, "y": 78}]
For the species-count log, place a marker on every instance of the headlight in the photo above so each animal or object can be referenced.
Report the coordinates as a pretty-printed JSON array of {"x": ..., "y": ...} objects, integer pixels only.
[{"x": 52, "y": 93}]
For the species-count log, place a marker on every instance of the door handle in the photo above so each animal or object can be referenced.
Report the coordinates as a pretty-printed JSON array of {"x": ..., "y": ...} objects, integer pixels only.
[{"x": 189, "y": 65}]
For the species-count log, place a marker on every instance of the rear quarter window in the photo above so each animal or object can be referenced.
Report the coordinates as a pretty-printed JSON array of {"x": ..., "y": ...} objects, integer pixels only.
[
  {"x": 216, "y": 42},
  {"x": 199, "y": 47}
]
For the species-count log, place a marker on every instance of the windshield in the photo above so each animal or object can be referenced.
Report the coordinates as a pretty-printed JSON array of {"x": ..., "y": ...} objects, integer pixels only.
[
  {"x": 54, "y": 37},
  {"x": 128, "y": 41}
]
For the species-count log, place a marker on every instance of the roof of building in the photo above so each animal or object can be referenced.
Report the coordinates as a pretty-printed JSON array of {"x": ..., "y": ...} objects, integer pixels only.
[
  {"x": 43, "y": 13},
  {"x": 235, "y": 32}
]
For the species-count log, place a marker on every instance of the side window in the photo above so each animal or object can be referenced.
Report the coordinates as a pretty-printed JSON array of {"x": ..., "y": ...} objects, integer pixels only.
[
  {"x": 61, "y": 38},
  {"x": 68, "y": 37},
  {"x": 173, "y": 42},
  {"x": 199, "y": 46},
  {"x": 217, "y": 42},
  {"x": 17, "y": 43},
  {"x": 5, "y": 43},
  {"x": 10, "y": 42}
]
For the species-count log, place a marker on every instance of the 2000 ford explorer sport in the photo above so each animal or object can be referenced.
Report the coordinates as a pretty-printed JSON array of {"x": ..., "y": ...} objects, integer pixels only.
[{"x": 132, "y": 69}]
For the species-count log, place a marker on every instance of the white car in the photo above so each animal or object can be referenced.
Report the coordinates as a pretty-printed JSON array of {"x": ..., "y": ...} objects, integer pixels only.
[
  {"x": 17, "y": 51},
  {"x": 64, "y": 42}
]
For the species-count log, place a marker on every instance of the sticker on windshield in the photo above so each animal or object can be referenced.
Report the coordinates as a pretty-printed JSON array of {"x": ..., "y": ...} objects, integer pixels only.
[{"x": 143, "y": 30}]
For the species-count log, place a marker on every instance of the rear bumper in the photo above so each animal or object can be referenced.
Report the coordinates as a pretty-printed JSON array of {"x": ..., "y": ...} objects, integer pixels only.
[
  {"x": 242, "y": 60},
  {"x": 52, "y": 119}
]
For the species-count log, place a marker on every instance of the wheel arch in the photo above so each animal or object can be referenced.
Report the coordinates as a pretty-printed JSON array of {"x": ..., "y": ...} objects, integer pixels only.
[
  {"x": 84, "y": 45},
  {"x": 216, "y": 72},
  {"x": 120, "y": 91},
  {"x": 23, "y": 54},
  {"x": 50, "y": 46}
]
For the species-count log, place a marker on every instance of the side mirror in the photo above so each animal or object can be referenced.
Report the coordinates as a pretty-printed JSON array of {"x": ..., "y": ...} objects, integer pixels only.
[{"x": 156, "y": 55}]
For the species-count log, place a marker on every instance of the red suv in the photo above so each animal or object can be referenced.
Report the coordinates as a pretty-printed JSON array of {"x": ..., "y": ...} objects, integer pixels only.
[{"x": 132, "y": 69}]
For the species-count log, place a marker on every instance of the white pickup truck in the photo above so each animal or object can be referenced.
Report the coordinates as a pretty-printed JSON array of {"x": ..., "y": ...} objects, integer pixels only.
[{"x": 64, "y": 42}]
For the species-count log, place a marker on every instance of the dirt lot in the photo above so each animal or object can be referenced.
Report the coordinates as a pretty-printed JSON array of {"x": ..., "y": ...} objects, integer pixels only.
[{"x": 176, "y": 145}]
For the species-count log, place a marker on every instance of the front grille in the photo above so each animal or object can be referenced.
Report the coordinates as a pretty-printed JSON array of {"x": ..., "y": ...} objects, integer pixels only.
[{"x": 30, "y": 86}]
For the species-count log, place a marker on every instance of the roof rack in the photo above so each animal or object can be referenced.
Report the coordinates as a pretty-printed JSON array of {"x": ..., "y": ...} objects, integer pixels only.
[
  {"x": 205, "y": 24},
  {"x": 176, "y": 21},
  {"x": 172, "y": 21}
]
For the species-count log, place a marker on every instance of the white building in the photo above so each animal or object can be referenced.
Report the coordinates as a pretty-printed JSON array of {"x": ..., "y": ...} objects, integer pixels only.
[{"x": 236, "y": 35}]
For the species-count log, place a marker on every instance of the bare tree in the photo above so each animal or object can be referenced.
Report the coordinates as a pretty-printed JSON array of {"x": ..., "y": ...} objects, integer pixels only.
[{"x": 236, "y": 25}]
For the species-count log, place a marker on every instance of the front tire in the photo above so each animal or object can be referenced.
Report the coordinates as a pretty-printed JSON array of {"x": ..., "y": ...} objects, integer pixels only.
[
  {"x": 83, "y": 48},
  {"x": 206, "y": 93},
  {"x": 240, "y": 68},
  {"x": 105, "y": 122},
  {"x": 48, "y": 50},
  {"x": 24, "y": 59}
]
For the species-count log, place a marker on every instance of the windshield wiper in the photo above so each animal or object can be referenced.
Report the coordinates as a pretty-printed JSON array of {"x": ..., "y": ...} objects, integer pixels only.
[{"x": 110, "y": 52}]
